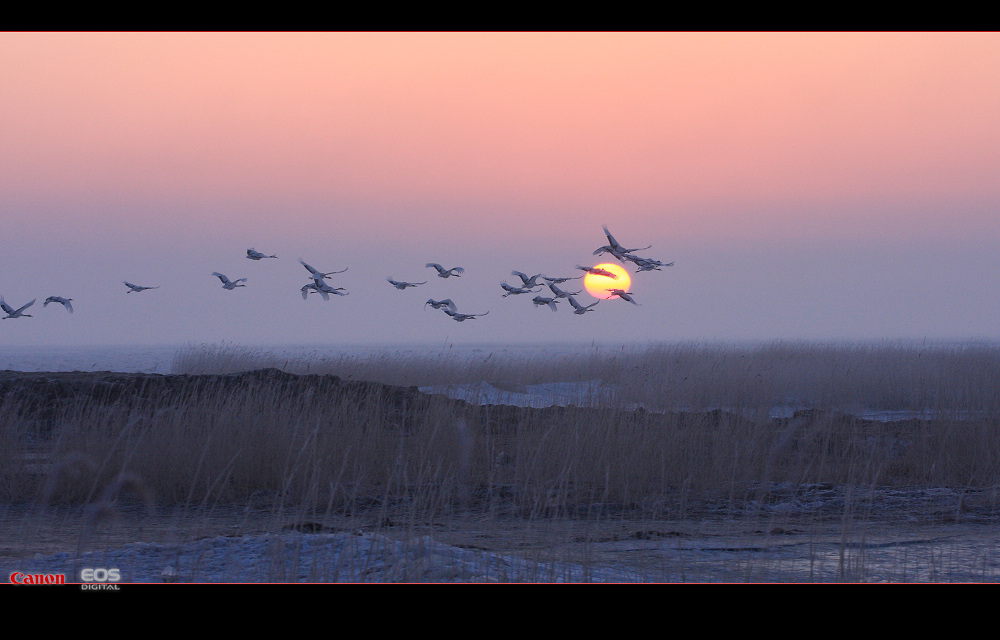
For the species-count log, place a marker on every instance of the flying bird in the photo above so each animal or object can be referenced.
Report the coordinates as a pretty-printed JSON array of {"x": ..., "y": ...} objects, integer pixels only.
[
  {"x": 624, "y": 295},
  {"x": 647, "y": 264},
  {"x": 559, "y": 293},
  {"x": 528, "y": 283},
  {"x": 541, "y": 301},
  {"x": 134, "y": 288},
  {"x": 580, "y": 309},
  {"x": 323, "y": 289},
  {"x": 253, "y": 254},
  {"x": 446, "y": 273},
  {"x": 312, "y": 288},
  {"x": 63, "y": 301},
  {"x": 462, "y": 317},
  {"x": 403, "y": 285},
  {"x": 227, "y": 283},
  {"x": 12, "y": 313},
  {"x": 513, "y": 291},
  {"x": 559, "y": 280},
  {"x": 615, "y": 249},
  {"x": 319, "y": 275},
  {"x": 440, "y": 304},
  {"x": 598, "y": 272}
]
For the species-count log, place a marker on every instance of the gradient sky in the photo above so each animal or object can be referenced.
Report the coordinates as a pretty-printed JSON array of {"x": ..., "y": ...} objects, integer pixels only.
[{"x": 817, "y": 186}]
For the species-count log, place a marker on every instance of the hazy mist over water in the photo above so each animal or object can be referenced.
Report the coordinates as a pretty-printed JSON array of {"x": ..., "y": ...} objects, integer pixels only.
[{"x": 160, "y": 358}]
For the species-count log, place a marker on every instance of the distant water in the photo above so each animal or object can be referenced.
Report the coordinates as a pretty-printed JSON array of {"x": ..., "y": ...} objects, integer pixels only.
[
  {"x": 159, "y": 358},
  {"x": 127, "y": 359}
]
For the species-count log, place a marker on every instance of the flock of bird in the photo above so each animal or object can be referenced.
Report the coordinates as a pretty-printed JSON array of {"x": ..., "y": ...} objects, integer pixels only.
[
  {"x": 528, "y": 284},
  {"x": 620, "y": 253},
  {"x": 19, "y": 313},
  {"x": 531, "y": 284}
]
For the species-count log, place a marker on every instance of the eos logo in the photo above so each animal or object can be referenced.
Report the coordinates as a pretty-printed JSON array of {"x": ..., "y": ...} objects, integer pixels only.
[{"x": 100, "y": 575}]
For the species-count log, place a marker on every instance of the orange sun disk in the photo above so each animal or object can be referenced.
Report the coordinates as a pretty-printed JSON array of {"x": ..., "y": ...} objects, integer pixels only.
[{"x": 598, "y": 286}]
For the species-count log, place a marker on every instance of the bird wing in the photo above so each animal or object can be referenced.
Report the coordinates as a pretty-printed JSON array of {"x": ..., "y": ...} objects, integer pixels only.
[
  {"x": 308, "y": 268},
  {"x": 224, "y": 279},
  {"x": 611, "y": 239},
  {"x": 639, "y": 249},
  {"x": 63, "y": 301},
  {"x": 26, "y": 306}
]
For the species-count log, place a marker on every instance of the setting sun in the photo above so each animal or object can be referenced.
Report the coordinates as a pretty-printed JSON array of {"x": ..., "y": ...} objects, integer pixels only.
[{"x": 598, "y": 285}]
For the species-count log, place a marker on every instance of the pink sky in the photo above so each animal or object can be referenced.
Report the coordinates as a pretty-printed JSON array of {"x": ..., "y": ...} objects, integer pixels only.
[{"x": 461, "y": 143}]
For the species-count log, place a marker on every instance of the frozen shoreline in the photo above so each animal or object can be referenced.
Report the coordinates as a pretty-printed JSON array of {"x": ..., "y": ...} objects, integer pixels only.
[{"x": 801, "y": 534}]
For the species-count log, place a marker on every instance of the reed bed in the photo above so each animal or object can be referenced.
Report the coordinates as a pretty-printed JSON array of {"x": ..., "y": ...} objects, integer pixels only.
[
  {"x": 706, "y": 427},
  {"x": 880, "y": 376}
]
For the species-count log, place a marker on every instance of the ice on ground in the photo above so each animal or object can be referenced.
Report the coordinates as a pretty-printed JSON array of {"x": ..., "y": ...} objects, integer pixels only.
[
  {"x": 880, "y": 415},
  {"x": 595, "y": 393},
  {"x": 931, "y": 554},
  {"x": 300, "y": 557},
  {"x": 582, "y": 394}
]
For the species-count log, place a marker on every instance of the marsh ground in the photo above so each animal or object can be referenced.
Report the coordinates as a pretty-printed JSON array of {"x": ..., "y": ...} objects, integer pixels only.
[
  {"x": 803, "y": 534},
  {"x": 268, "y": 476}
]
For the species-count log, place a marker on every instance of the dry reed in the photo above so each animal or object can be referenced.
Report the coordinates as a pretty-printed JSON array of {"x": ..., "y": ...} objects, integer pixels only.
[{"x": 347, "y": 446}]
